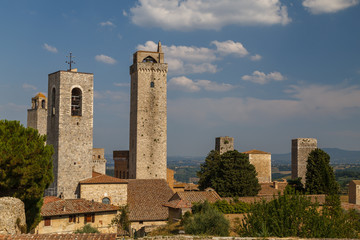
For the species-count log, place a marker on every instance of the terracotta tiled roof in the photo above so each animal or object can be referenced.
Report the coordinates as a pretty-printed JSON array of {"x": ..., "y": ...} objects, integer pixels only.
[
  {"x": 357, "y": 182},
  {"x": 40, "y": 95},
  {"x": 178, "y": 204},
  {"x": 49, "y": 199},
  {"x": 146, "y": 198},
  {"x": 254, "y": 151},
  {"x": 101, "y": 178},
  {"x": 269, "y": 188},
  {"x": 83, "y": 236},
  {"x": 95, "y": 174},
  {"x": 75, "y": 206},
  {"x": 186, "y": 186},
  {"x": 196, "y": 196}
]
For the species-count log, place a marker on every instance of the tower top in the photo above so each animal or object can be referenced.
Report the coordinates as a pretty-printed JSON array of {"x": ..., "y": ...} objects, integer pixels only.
[{"x": 159, "y": 50}]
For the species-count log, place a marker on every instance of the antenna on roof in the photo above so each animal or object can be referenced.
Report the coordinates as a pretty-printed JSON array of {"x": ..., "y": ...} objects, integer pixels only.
[{"x": 70, "y": 61}]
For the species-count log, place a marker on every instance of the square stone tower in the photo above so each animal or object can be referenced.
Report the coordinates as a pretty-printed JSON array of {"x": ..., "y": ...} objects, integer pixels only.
[
  {"x": 300, "y": 149},
  {"x": 37, "y": 115},
  {"x": 262, "y": 163},
  {"x": 354, "y": 192},
  {"x": 224, "y": 144},
  {"x": 70, "y": 130},
  {"x": 148, "y": 129}
]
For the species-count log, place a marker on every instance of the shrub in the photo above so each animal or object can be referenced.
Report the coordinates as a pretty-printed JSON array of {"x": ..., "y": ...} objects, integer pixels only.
[
  {"x": 87, "y": 229},
  {"x": 232, "y": 207}
]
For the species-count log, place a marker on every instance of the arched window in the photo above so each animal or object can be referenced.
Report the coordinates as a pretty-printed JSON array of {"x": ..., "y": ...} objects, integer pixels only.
[
  {"x": 106, "y": 200},
  {"x": 43, "y": 104},
  {"x": 53, "y": 101},
  {"x": 149, "y": 59},
  {"x": 76, "y": 101}
]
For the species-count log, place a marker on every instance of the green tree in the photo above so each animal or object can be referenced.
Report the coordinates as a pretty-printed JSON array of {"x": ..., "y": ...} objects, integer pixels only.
[
  {"x": 87, "y": 229},
  {"x": 206, "y": 220},
  {"x": 25, "y": 167},
  {"x": 230, "y": 174},
  {"x": 122, "y": 219},
  {"x": 320, "y": 177}
]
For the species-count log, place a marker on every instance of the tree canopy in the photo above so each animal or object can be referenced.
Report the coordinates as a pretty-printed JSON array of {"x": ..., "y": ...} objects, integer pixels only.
[
  {"x": 229, "y": 174},
  {"x": 25, "y": 167},
  {"x": 320, "y": 177}
]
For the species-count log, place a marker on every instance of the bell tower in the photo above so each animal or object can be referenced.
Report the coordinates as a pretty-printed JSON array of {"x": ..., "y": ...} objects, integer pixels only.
[
  {"x": 148, "y": 116},
  {"x": 37, "y": 115}
]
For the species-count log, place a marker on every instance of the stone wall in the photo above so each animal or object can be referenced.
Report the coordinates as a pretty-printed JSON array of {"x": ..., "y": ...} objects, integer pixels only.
[
  {"x": 37, "y": 115},
  {"x": 262, "y": 164},
  {"x": 12, "y": 216},
  {"x": 224, "y": 144},
  {"x": 354, "y": 192},
  {"x": 98, "y": 160},
  {"x": 116, "y": 192},
  {"x": 300, "y": 149},
  {"x": 71, "y": 136},
  {"x": 121, "y": 162},
  {"x": 148, "y": 117}
]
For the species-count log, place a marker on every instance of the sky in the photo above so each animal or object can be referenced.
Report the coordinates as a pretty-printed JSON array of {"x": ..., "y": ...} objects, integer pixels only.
[{"x": 261, "y": 71}]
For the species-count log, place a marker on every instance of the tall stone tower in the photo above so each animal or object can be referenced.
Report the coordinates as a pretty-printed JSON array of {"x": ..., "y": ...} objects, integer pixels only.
[
  {"x": 70, "y": 130},
  {"x": 37, "y": 115},
  {"x": 224, "y": 144},
  {"x": 300, "y": 149},
  {"x": 148, "y": 131}
]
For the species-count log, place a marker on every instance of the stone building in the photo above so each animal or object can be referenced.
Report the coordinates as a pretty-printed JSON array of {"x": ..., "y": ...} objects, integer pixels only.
[
  {"x": 70, "y": 130},
  {"x": 224, "y": 144},
  {"x": 300, "y": 150},
  {"x": 354, "y": 192},
  {"x": 98, "y": 160},
  {"x": 37, "y": 115},
  {"x": 121, "y": 164},
  {"x": 148, "y": 116},
  {"x": 262, "y": 163}
]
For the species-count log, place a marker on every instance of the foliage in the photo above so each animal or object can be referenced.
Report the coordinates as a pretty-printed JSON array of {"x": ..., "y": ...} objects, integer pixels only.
[
  {"x": 25, "y": 167},
  {"x": 320, "y": 178},
  {"x": 230, "y": 174},
  {"x": 206, "y": 220},
  {"x": 232, "y": 207},
  {"x": 293, "y": 215},
  {"x": 296, "y": 184},
  {"x": 344, "y": 176},
  {"x": 87, "y": 229},
  {"x": 122, "y": 219}
]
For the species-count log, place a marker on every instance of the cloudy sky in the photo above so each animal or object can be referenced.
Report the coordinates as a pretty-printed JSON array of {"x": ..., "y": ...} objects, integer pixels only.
[{"x": 261, "y": 71}]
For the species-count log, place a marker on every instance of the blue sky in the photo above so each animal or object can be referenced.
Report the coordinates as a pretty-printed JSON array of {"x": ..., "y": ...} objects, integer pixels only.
[{"x": 261, "y": 71}]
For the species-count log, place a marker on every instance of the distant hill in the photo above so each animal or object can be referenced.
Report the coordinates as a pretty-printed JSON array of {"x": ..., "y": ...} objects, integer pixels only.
[{"x": 337, "y": 156}]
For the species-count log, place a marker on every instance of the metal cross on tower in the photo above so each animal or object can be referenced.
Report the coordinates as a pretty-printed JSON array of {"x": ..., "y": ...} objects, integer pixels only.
[{"x": 70, "y": 60}]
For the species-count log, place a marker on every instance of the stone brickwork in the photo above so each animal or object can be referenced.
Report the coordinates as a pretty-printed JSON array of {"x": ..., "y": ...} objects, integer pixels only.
[
  {"x": 37, "y": 115},
  {"x": 224, "y": 144},
  {"x": 116, "y": 192},
  {"x": 12, "y": 216},
  {"x": 121, "y": 161},
  {"x": 262, "y": 163},
  {"x": 354, "y": 192},
  {"x": 148, "y": 117},
  {"x": 300, "y": 149},
  {"x": 70, "y": 130},
  {"x": 98, "y": 160}
]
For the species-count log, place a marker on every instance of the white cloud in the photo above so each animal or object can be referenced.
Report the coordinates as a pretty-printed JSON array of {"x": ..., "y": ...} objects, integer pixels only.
[
  {"x": 27, "y": 86},
  {"x": 185, "y": 84},
  {"x": 262, "y": 78},
  {"x": 191, "y": 59},
  {"x": 328, "y": 6},
  {"x": 185, "y": 15},
  {"x": 105, "y": 59},
  {"x": 107, "y": 24},
  {"x": 49, "y": 48},
  {"x": 256, "y": 57},
  {"x": 124, "y": 13},
  {"x": 230, "y": 47}
]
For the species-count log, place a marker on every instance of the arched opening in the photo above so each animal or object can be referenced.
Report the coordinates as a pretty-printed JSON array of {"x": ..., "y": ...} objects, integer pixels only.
[
  {"x": 76, "y": 101},
  {"x": 149, "y": 59},
  {"x": 53, "y": 101},
  {"x": 43, "y": 104},
  {"x": 106, "y": 200}
]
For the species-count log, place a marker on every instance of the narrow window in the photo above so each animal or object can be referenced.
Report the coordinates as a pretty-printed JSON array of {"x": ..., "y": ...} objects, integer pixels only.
[
  {"x": 47, "y": 221},
  {"x": 152, "y": 84},
  {"x": 43, "y": 104},
  {"x": 53, "y": 102},
  {"x": 72, "y": 218},
  {"x": 76, "y": 101},
  {"x": 106, "y": 200}
]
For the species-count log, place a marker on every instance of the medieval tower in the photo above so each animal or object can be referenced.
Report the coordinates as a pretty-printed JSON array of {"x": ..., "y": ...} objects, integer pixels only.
[
  {"x": 224, "y": 144},
  {"x": 70, "y": 130},
  {"x": 37, "y": 115},
  {"x": 148, "y": 130},
  {"x": 300, "y": 150}
]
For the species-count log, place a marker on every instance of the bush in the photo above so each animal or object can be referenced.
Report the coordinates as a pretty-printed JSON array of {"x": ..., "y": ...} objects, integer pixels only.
[
  {"x": 206, "y": 220},
  {"x": 293, "y": 215},
  {"x": 232, "y": 207},
  {"x": 87, "y": 229}
]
